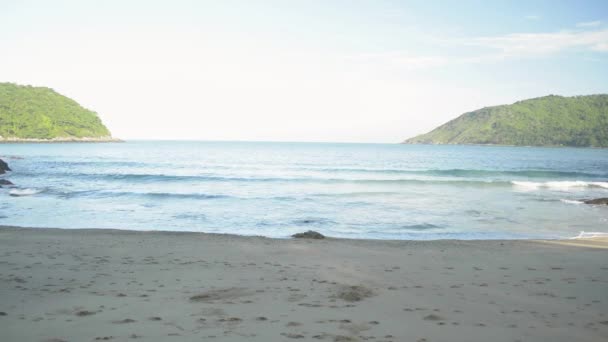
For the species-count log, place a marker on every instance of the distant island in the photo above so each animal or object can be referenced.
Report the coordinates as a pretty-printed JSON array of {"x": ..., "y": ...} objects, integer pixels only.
[
  {"x": 579, "y": 121},
  {"x": 39, "y": 114}
]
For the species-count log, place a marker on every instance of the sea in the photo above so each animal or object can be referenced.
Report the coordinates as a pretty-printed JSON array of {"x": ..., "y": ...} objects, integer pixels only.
[{"x": 276, "y": 189}]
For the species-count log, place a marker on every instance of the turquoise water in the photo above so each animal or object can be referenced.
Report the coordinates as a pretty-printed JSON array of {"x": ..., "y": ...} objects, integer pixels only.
[{"x": 381, "y": 191}]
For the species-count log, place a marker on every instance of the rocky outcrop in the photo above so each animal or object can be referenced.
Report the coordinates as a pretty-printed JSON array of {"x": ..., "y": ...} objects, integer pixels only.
[
  {"x": 597, "y": 201},
  {"x": 309, "y": 235},
  {"x": 5, "y": 182},
  {"x": 4, "y": 167}
]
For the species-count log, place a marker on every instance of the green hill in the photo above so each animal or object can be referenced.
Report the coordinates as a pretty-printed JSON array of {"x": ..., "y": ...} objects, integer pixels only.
[
  {"x": 41, "y": 113},
  {"x": 580, "y": 121}
]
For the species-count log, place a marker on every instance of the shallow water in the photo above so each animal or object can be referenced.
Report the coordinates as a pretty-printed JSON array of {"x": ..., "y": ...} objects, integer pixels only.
[{"x": 383, "y": 191}]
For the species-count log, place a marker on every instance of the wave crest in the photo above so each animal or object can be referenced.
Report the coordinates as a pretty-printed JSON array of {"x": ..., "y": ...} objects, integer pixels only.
[
  {"x": 563, "y": 185},
  {"x": 24, "y": 192}
]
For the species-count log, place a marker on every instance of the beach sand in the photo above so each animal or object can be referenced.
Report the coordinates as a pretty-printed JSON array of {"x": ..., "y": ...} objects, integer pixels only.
[{"x": 91, "y": 285}]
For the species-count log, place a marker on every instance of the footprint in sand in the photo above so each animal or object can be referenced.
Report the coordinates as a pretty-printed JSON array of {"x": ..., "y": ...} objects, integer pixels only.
[
  {"x": 83, "y": 313},
  {"x": 353, "y": 293},
  {"x": 433, "y": 317},
  {"x": 124, "y": 321},
  {"x": 220, "y": 294},
  {"x": 290, "y": 335},
  {"x": 230, "y": 320}
]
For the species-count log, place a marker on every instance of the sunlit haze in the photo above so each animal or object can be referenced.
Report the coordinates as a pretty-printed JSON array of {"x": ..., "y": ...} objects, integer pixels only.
[{"x": 359, "y": 71}]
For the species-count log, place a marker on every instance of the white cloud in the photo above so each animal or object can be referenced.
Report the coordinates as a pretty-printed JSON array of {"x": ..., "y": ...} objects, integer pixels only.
[
  {"x": 601, "y": 47},
  {"x": 535, "y": 44},
  {"x": 589, "y": 24},
  {"x": 532, "y": 17},
  {"x": 517, "y": 45}
]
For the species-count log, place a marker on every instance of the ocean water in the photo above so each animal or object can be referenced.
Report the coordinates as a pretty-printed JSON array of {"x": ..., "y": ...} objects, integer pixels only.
[{"x": 379, "y": 191}]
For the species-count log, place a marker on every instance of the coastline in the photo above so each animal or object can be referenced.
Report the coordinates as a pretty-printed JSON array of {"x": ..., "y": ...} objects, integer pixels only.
[
  {"x": 6, "y": 140},
  {"x": 583, "y": 239},
  {"x": 405, "y": 142},
  {"x": 87, "y": 284}
]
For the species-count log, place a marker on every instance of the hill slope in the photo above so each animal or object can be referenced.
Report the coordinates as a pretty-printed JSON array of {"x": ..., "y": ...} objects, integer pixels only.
[
  {"x": 580, "y": 121},
  {"x": 41, "y": 113}
]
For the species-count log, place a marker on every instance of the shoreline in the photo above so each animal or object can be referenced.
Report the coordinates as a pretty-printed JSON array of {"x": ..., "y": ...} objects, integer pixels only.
[
  {"x": 595, "y": 236},
  {"x": 98, "y": 284},
  {"x": 501, "y": 145},
  {"x": 590, "y": 242},
  {"x": 60, "y": 140}
]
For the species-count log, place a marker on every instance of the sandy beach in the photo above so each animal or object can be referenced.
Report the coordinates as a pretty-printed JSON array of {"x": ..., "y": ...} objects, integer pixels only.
[{"x": 90, "y": 285}]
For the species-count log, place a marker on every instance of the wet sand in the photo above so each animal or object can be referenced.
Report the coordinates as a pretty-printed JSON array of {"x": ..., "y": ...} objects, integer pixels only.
[{"x": 92, "y": 285}]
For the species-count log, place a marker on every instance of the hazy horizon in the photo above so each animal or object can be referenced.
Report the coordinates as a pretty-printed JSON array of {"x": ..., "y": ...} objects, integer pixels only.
[{"x": 302, "y": 71}]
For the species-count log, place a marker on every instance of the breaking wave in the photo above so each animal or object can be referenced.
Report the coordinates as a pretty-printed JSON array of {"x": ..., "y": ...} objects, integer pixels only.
[{"x": 563, "y": 185}]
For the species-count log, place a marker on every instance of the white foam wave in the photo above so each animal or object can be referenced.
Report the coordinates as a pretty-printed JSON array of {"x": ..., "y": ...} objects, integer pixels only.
[
  {"x": 528, "y": 185},
  {"x": 24, "y": 192},
  {"x": 571, "y": 201},
  {"x": 563, "y": 185},
  {"x": 588, "y": 235}
]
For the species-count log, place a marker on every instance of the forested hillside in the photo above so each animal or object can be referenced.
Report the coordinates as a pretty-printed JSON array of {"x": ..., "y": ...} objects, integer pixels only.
[
  {"x": 41, "y": 113},
  {"x": 546, "y": 121}
]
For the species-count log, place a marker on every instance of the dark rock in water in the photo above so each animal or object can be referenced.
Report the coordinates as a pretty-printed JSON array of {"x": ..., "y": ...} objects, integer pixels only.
[
  {"x": 5, "y": 182},
  {"x": 597, "y": 201},
  {"x": 307, "y": 221},
  {"x": 308, "y": 235},
  {"x": 4, "y": 167}
]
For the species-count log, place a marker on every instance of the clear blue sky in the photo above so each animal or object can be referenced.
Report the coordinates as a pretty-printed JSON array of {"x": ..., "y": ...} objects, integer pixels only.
[{"x": 369, "y": 71}]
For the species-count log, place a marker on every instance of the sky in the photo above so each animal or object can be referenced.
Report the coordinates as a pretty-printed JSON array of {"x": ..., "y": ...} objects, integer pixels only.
[{"x": 314, "y": 70}]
